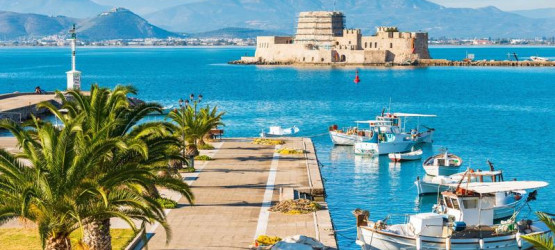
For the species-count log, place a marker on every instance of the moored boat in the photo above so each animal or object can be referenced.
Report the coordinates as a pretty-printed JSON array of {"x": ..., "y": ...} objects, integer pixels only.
[
  {"x": 467, "y": 223},
  {"x": 442, "y": 164},
  {"x": 409, "y": 156},
  {"x": 276, "y": 131},
  {"x": 437, "y": 184},
  {"x": 384, "y": 139},
  {"x": 350, "y": 135}
]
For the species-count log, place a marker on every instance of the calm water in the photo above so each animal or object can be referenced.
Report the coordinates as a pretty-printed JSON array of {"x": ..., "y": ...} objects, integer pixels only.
[{"x": 502, "y": 114}]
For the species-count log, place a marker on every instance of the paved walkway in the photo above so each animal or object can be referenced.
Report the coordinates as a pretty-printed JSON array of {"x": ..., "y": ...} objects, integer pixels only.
[
  {"x": 17, "y": 102},
  {"x": 230, "y": 193}
]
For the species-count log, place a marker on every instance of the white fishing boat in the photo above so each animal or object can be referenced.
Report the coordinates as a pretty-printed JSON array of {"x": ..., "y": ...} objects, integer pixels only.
[
  {"x": 467, "y": 222},
  {"x": 384, "y": 139},
  {"x": 409, "y": 156},
  {"x": 277, "y": 131},
  {"x": 442, "y": 164},
  {"x": 350, "y": 135},
  {"x": 437, "y": 184}
]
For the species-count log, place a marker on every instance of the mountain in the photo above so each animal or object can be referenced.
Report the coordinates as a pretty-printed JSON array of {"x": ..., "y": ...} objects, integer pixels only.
[
  {"x": 143, "y": 6},
  {"x": 119, "y": 23},
  {"x": 73, "y": 8},
  {"x": 537, "y": 13},
  {"x": 409, "y": 15},
  {"x": 215, "y": 14},
  {"x": 16, "y": 25},
  {"x": 233, "y": 32}
]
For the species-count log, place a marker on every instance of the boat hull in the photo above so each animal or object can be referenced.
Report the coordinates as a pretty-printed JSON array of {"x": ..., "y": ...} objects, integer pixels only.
[
  {"x": 342, "y": 139},
  {"x": 425, "y": 137},
  {"x": 373, "y": 239},
  {"x": 371, "y": 148},
  {"x": 397, "y": 157},
  {"x": 441, "y": 170}
]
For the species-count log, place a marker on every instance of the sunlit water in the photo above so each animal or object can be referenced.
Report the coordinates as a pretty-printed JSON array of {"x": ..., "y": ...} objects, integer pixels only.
[{"x": 502, "y": 114}]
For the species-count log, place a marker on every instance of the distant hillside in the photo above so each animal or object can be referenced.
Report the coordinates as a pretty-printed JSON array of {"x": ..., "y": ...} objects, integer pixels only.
[
  {"x": 408, "y": 15},
  {"x": 119, "y": 23},
  {"x": 72, "y": 8},
  {"x": 234, "y": 32},
  {"x": 537, "y": 13},
  {"x": 16, "y": 25}
]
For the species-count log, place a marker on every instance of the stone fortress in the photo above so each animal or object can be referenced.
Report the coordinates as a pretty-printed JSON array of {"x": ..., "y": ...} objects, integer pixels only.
[{"x": 322, "y": 38}]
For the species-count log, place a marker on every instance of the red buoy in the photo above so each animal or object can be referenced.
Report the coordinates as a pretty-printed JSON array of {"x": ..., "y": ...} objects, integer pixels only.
[{"x": 357, "y": 79}]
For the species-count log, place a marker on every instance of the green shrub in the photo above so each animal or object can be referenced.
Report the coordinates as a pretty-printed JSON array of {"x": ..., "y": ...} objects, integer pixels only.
[
  {"x": 166, "y": 203},
  {"x": 187, "y": 170},
  {"x": 205, "y": 147},
  {"x": 204, "y": 158}
]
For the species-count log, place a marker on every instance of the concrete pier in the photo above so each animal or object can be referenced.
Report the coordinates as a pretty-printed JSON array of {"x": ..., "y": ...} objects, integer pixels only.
[
  {"x": 20, "y": 106},
  {"x": 233, "y": 194}
]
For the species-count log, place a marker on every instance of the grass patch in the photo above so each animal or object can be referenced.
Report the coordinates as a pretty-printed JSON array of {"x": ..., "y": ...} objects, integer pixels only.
[
  {"x": 204, "y": 158},
  {"x": 166, "y": 203},
  {"x": 289, "y": 151},
  {"x": 28, "y": 238},
  {"x": 205, "y": 147},
  {"x": 300, "y": 206},
  {"x": 263, "y": 141},
  {"x": 187, "y": 170}
]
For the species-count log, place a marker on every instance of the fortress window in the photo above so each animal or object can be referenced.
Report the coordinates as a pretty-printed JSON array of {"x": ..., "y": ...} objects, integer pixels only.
[
  {"x": 365, "y": 44},
  {"x": 303, "y": 59},
  {"x": 322, "y": 60},
  {"x": 375, "y": 44},
  {"x": 349, "y": 42},
  {"x": 391, "y": 45}
]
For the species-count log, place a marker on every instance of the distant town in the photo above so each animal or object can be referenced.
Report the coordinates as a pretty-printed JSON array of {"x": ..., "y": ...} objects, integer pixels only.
[{"x": 59, "y": 41}]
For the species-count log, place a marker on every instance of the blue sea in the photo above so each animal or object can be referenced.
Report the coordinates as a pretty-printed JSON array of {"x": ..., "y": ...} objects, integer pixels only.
[{"x": 501, "y": 114}]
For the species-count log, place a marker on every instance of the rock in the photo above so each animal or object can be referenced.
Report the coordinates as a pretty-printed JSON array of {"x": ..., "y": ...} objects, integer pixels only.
[{"x": 298, "y": 242}]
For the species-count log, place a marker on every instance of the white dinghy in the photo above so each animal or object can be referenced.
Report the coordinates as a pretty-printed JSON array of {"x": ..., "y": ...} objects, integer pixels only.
[
  {"x": 277, "y": 131},
  {"x": 467, "y": 222},
  {"x": 409, "y": 156}
]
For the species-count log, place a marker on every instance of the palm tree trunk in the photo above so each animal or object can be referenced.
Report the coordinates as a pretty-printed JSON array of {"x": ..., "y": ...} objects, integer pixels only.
[
  {"x": 97, "y": 235},
  {"x": 58, "y": 242}
]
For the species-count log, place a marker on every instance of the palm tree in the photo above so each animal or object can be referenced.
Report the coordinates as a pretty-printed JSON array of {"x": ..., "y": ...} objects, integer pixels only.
[
  {"x": 108, "y": 115},
  {"x": 541, "y": 241},
  {"x": 50, "y": 183},
  {"x": 192, "y": 126}
]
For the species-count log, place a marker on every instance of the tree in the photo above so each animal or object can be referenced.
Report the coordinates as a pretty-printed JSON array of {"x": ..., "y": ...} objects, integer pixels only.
[
  {"x": 543, "y": 242},
  {"x": 192, "y": 126},
  {"x": 49, "y": 181},
  {"x": 107, "y": 115}
]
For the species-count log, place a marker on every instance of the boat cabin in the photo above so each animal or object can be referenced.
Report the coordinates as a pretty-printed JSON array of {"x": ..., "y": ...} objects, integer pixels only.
[
  {"x": 481, "y": 176},
  {"x": 474, "y": 203}
]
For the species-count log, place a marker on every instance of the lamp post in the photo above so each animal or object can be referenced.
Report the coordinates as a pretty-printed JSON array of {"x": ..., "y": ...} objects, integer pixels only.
[{"x": 185, "y": 104}]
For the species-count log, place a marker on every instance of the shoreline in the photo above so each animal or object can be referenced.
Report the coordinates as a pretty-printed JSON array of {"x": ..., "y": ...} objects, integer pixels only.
[
  {"x": 254, "y": 46},
  {"x": 419, "y": 63}
]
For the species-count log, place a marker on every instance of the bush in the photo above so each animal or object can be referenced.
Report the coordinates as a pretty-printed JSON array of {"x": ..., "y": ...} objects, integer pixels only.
[
  {"x": 187, "y": 170},
  {"x": 205, "y": 147},
  {"x": 300, "y": 206},
  {"x": 204, "y": 158},
  {"x": 166, "y": 203},
  {"x": 263, "y": 141},
  {"x": 266, "y": 240}
]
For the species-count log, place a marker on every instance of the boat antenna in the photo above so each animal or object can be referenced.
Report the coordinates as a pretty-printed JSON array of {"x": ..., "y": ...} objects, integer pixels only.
[
  {"x": 389, "y": 104},
  {"x": 491, "y": 168},
  {"x": 334, "y": 1}
]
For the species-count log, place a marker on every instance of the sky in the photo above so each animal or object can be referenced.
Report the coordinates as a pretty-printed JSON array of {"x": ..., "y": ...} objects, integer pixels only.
[{"x": 507, "y": 5}]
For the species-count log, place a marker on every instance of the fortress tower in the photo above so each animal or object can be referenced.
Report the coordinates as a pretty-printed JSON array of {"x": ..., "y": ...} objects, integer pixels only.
[{"x": 319, "y": 27}]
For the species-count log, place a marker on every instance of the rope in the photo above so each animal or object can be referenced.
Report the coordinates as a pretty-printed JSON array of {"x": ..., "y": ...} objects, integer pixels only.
[{"x": 316, "y": 135}]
